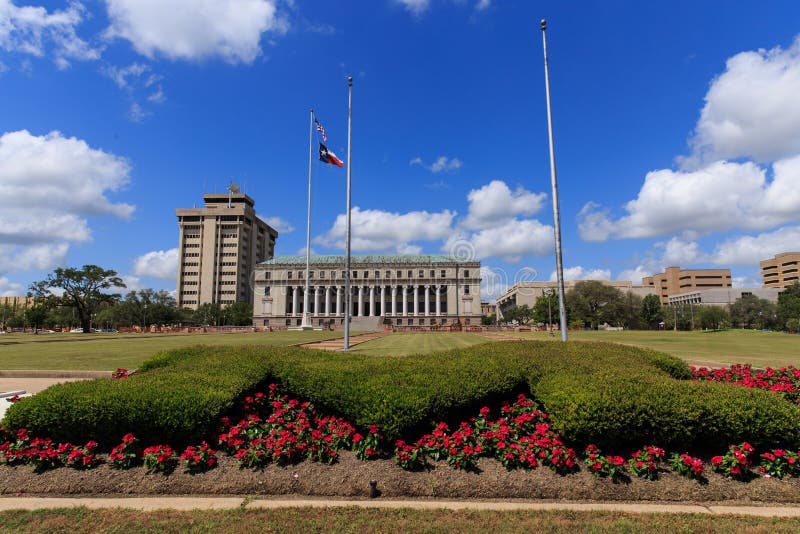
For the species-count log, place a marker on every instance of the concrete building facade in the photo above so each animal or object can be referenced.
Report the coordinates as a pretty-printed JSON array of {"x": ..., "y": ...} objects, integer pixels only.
[
  {"x": 526, "y": 293},
  {"x": 675, "y": 280},
  {"x": 402, "y": 290},
  {"x": 723, "y": 296},
  {"x": 219, "y": 246},
  {"x": 781, "y": 271}
]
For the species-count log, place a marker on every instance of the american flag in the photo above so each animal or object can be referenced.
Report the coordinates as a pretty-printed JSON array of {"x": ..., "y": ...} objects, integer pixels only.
[{"x": 321, "y": 130}]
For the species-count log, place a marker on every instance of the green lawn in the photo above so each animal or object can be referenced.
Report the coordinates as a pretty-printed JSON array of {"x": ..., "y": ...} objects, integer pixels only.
[
  {"x": 417, "y": 343},
  {"x": 101, "y": 352},
  {"x": 730, "y": 346}
]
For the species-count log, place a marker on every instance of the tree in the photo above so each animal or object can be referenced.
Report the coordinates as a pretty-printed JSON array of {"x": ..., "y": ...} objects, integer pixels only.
[
  {"x": 545, "y": 309},
  {"x": 83, "y": 289},
  {"x": 238, "y": 314},
  {"x": 750, "y": 311},
  {"x": 679, "y": 316},
  {"x": 595, "y": 303},
  {"x": 208, "y": 314},
  {"x": 487, "y": 320},
  {"x": 789, "y": 304},
  {"x": 651, "y": 312},
  {"x": 631, "y": 310},
  {"x": 713, "y": 317}
]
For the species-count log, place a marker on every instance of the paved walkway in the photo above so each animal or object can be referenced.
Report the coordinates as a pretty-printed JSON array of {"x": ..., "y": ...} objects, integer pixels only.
[
  {"x": 338, "y": 344},
  {"x": 496, "y": 336},
  {"x": 227, "y": 503}
]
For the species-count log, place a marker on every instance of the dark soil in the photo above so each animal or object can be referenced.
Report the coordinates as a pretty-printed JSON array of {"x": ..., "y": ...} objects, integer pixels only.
[{"x": 350, "y": 478}]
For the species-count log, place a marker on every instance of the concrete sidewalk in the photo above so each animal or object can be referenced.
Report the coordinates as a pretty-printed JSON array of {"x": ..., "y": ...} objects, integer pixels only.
[{"x": 227, "y": 503}]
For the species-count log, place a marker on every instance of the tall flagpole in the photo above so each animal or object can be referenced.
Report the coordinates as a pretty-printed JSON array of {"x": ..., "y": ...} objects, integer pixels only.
[
  {"x": 348, "y": 296},
  {"x": 306, "y": 323},
  {"x": 556, "y": 218}
]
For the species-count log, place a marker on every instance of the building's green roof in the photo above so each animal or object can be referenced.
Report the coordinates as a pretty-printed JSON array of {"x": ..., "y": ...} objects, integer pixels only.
[{"x": 317, "y": 259}]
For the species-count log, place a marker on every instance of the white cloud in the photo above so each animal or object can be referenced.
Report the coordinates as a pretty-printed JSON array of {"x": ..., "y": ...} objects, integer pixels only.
[
  {"x": 157, "y": 97},
  {"x": 441, "y": 164},
  {"x": 137, "y": 113},
  {"x": 33, "y": 30},
  {"x": 580, "y": 273},
  {"x": 494, "y": 283},
  {"x": 10, "y": 289},
  {"x": 494, "y": 204},
  {"x": 406, "y": 248},
  {"x": 123, "y": 76},
  {"x": 375, "y": 230},
  {"x": 678, "y": 251},
  {"x": 752, "y": 109},
  {"x": 745, "y": 281},
  {"x": 749, "y": 250},
  {"x": 718, "y": 197},
  {"x": 281, "y": 225},
  {"x": 50, "y": 184},
  {"x": 636, "y": 274},
  {"x": 157, "y": 264},
  {"x": 511, "y": 241},
  {"x": 415, "y": 7},
  {"x": 195, "y": 29},
  {"x": 483, "y": 5}
]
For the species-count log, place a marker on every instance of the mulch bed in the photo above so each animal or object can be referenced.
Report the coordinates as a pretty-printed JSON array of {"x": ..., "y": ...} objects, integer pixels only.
[{"x": 350, "y": 477}]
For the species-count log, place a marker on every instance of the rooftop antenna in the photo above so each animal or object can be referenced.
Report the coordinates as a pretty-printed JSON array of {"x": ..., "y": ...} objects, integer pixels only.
[{"x": 232, "y": 190}]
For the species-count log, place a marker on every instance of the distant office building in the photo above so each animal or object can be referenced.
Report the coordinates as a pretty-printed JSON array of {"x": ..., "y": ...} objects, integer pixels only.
[
  {"x": 781, "y": 271},
  {"x": 402, "y": 290},
  {"x": 16, "y": 303},
  {"x": 488, "y": 309},
  {"x": 723, "y": 296},
  {"x": 676, "y": 280},
  {"x": 219, "y": 246},
  {"x": 526, "y": 293}
]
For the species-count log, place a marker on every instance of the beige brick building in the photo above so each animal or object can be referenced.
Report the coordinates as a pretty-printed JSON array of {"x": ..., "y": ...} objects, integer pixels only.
[
  {"x": 218, "y": 248},
  {"x": 401, "y": 290},
  {"x": 675, "y": 280},
  {"x": 781, "y": 271},
  {"x": 526, "y": 293}
]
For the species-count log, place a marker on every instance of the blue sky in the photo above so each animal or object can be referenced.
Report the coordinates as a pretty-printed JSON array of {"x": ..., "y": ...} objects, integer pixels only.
[{"x": 677, "y": 130}]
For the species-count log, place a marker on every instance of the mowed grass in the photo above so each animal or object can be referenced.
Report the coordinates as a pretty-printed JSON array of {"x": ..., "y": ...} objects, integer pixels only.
[
  {"x": 404, "y": 344},
  {"x": 104, "y": 352},
  {"x": 712, "y": 348},
  {"x": 353, "y": 519}
]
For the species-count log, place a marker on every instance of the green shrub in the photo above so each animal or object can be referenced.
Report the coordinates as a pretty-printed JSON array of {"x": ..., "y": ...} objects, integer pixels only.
[{"x": 610, "y": 395}]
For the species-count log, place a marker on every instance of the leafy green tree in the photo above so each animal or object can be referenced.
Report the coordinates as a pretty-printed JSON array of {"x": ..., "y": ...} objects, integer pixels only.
[
  {"x": 793, "y": 325},
  {"x": 237, "y": 314},
  {"x": 789, "y": 304},
  {"x": 545, "y": 309},
  {"x": 83, "y": 289},
  {"x": 594, "y": 303},
  {"x": 631, "y": 310},
  {"x": 651, "y": 312},
  {"x": 713, "y": 317},
  {"x": 750, "y": 311},
  {"x": 487, "y": 320},
  {"x": 679, "y": 316},
  {"x": 208, "y": 314}
]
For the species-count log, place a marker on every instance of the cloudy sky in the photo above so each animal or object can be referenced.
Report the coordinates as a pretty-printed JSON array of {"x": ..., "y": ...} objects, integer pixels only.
[{"x": 677, "y": 131}]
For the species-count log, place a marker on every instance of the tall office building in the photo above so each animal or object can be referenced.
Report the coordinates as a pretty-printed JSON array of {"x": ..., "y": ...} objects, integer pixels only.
[
  {"x": 781, "y": 271},
  {"x": 219, "y": 246},
  {"x": 676, "y": 280}
]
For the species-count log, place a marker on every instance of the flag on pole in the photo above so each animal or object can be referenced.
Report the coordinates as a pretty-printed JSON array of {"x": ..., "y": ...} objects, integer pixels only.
[
  {"x": 326, "y": 156},
  {"x": 321, "y": 130}
]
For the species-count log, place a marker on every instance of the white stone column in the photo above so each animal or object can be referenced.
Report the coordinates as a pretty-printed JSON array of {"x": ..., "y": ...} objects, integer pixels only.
[
  {"x": 372, "y": 301},
  {"x": 427, "y": 301},
  {"x": 383, "y": 301},
  {"x": 394, "y": 300},
  {"x": 416, "y": 300},
  {"x": 405, "y": 300},
  {"x": 360, "y": 309},
  {"x": 438, "y": 300},
  {"x": 316, "y": 301},
  {"x": 294, "y": 299},
  {"x": 327, "y": 300}
]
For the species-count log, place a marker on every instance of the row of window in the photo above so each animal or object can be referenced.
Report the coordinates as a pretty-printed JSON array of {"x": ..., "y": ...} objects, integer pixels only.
[{"x": 366, "y": 274}]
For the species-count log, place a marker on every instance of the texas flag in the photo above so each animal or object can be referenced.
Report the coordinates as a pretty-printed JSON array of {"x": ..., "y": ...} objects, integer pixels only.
[{"x": 326, "y": 156}]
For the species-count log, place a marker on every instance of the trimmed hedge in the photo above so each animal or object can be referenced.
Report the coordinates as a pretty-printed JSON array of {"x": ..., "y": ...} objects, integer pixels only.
[{"x": 611, "y": 395}]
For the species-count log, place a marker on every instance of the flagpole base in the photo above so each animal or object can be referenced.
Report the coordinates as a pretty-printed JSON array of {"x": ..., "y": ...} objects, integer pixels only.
[{"x": 305, "y": 324}]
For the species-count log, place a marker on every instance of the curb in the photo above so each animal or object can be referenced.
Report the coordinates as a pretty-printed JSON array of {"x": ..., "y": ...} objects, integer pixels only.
[
  {"x": 46, "y": 373},
  {"x": 228, "y": 503}
]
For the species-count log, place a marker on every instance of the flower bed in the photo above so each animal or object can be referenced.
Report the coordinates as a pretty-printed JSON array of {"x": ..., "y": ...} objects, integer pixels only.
[{"x": 784, "y": 380}]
